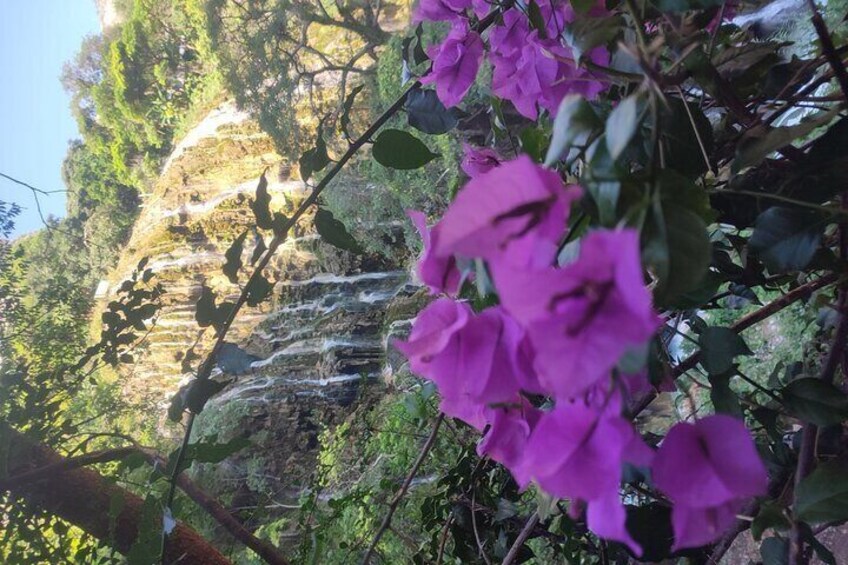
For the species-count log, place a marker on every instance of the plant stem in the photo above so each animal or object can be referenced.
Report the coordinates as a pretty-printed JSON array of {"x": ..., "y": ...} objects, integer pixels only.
[
  {"x": 522, "y": 537},
  {"x": 393, "y": 506}
]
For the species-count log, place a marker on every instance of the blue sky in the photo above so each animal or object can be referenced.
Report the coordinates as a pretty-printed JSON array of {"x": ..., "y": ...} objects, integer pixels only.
[{"x": 36, "y": 38}]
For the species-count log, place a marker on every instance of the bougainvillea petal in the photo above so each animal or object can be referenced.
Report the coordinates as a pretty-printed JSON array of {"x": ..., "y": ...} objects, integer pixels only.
[
  {"x": 479, "y": 160},
  {"x": 607, "y": 518},
  {"x": 440, "y": 274},
  {"x": 517, "y": 202},
  {"x": 440, "y": 10},
  {"x": 696, "y": 527},
  {"x": 455, "y": 64},
  {"x": 582, "y": 318}
]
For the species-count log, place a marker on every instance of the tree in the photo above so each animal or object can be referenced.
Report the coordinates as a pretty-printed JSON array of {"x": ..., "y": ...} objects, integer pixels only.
[{"x": 282, "y": 58}]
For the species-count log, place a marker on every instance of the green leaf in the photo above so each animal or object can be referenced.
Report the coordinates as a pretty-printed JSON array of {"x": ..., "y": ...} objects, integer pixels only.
[
  {"x": 681, "y": 147},
  {"x": 718, "y": 348},
  {"x": 258, "y": 249},
  {"x": 822, "y": 552},
  {"x": 680, "y": 251},
  {"x": 209, "y": 450},
  {"x": 650, "y": 526},
  {"x": 398, "y": 149},
  {"x": 537, "y": 20},
  {"x": 605, "y": 194},
  {"x": 198, "y": 392},
  {"x": 816, "y": 401},
  {"x": 771, "y": 516},
  {"x": 258, "y": 289},
  {"x": 722, "y": 396},
  {"x": 426, "y": 113},
  {"x": 206, "y": 312},
  {"x": 685, "y": 5},
  {"x": 260, "y": 205},
  {"x": 344, "y": 120},
  {"x": 334, "y": 232},
  {"x": 533, "y": 142},
  {"x": 775, "y": 551},
  {"x": 316, "y": 158},
  {"x": 760, "y": 142},
  {"x": 575, "y": 123},
  {"x": 786, "y": 239},
  {"x": 823, "y": 495},
  {"x": 622, "y": 124},
  {"x": 233, "y": 256},
  {"x": 584, "y": 34}
]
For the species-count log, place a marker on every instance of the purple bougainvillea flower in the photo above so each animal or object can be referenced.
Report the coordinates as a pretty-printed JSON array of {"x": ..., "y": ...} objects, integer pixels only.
[
  {"x": 707, "y": 469},
  {"x": 440, "y": 274},
  {"x": 479, "y": 160},
  {"x": 455, "y": 64},
  {"x": 516, "y": 213},
  {"x": 475, "y": 360},
  {"x": 508, "y": 38},
  {"x": 440, "y": 10},
  {"x": 583, "y": 317},
  {"x": 576, "y": 451},
  {"x": 533, "y": 69},
  {"x": 510, "y": 428}
]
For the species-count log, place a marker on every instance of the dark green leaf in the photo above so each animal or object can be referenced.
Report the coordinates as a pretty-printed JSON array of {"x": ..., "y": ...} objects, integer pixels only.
[
  {"x": 261, "y": 203},
  {"x": 605, "y": 194},
  {"x": 719, "y": 346},
  {"x": 650, "y": 526},
  {"x": 198, "y": 393},
  {"x": 681, "y": 146},
  {"x": 334, "y": 232},
  {"x": 722, "y": 396},
  {"x": 771, "y": 516},
  {"x": 575, "y": 122},
  {"x": 534, "y": 141},
  {"x": 822, "y": 552},
  {"x": 398, "y": 149},
  {"x": 233, "y": 256},
  {"x": 816, "y": 401},
  {"x": 786, "y": 239},
  {"x": 426, "y": 113},
  {"x": 584, "y": 34},
  {"x": 537, "y": 20},
  {"x": 316, "y": 158},
  {"x": 622, "y": 124},
  {"x": 258, "y": 249},
  {"x": 759, "y": 143},
  {"x": 680, "y": 251},
  {"x": 823, "y": 495},
  {"x": 685, "y": 5},
  {"x": 775, "y": 551},
  {"x": 207, "y": 312},
  {"x": 207, "y": 451},
  {"x": 344, "y": 120},
  {"x": 258, "y": 289}
]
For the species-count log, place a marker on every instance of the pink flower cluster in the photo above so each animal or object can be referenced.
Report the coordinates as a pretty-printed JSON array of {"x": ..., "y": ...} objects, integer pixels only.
[
  {"x": 533, "y": 68},
  {"x": 559, "y": 332}
]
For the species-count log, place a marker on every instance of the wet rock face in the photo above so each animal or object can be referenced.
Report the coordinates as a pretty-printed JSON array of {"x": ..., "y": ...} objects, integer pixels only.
[{"x": 310, "y": 354}]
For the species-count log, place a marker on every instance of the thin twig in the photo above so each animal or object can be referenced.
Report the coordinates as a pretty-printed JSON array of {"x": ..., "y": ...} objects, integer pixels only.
[
  {"x": 745, "y": 322},
  {"x": 393, "y": 506},
  {"x": 474, "y": 525},
  {"x": 522, "y": 537},
  {"x": 829, "y": 49},
  {"x": 807, "y": 453}
]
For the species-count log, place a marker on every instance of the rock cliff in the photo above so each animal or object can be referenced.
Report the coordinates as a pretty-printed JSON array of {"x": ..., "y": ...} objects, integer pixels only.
[{"x": 320, "y": 341}]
